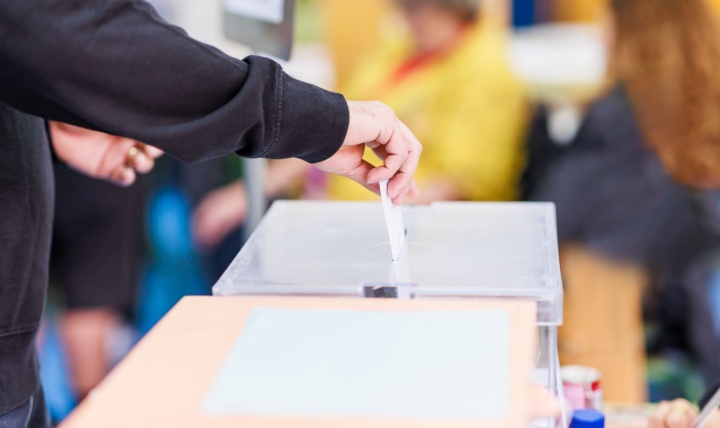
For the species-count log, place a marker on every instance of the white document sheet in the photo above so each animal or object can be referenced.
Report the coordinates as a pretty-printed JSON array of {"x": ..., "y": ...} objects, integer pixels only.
[
  {"x": 394, "y": 221},
  {"x": 319, "y": 363},
  {"x": 264, "y": 10}
]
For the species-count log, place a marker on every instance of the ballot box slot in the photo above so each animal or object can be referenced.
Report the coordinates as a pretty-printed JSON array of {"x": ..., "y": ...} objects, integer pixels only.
[{"x": 388, "y": 290}]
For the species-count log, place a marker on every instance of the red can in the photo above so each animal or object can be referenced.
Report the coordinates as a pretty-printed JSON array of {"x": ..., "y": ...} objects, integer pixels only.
[{"x": 581, "y": 386}]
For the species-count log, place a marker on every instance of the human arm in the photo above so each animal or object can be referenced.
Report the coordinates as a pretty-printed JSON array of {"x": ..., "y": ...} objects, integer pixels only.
[{"x": 116, "y": 67}]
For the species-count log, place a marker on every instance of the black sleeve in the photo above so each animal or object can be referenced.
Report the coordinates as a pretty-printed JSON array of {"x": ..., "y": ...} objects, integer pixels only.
[{"x": 116, "y": 66}]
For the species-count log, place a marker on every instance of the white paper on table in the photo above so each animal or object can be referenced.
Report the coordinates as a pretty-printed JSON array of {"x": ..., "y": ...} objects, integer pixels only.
[
  {"x": 306, "y": 363},
  {"x": 394, "y": 221},
  {"x": 272, "y": 11}
]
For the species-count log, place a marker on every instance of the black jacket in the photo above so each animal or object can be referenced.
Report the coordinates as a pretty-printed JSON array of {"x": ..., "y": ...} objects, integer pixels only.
[{"x": 116, "y": 66}]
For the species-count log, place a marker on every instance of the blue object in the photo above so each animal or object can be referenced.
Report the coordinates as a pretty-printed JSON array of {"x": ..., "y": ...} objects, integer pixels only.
[
  {"x": 175, "y": 270},
  {"x": 54, "y": 372},
  {"x": 523, "y": 13},
  {"x": 587, "y": 418}
]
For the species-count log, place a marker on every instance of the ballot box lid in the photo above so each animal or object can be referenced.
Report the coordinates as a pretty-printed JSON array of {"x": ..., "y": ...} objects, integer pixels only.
[{"x": 453, "y": 250}]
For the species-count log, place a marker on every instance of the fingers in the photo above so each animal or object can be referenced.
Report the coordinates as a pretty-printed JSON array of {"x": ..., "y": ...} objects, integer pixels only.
[
  {"x": 100, "y": 155},
  {"x": 402, "y": 184},
  {"x": 140, "y": 158},
  {"x": 398, "y": 187},
  {"x": 122, "y": 176},
  {"x": 677, "y": 419},
  {"x": 394, "y": 154},
  {"x": 401, "y": 155},
  {"x": 657, "y": 419},
  {"x": 360, "y": 175},
  {"x": 348, "y": 162},
  {"x": 151, "y": 151},
  {"x": 375, "y": 125},
  {"x": 676, "y": 414}
]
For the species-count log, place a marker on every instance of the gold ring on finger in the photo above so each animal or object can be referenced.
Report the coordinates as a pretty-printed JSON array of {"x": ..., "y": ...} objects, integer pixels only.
[{"x": 130, "y": 157}]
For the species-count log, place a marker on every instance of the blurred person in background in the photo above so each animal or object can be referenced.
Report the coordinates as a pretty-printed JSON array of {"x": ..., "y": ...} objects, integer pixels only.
[
  {"x": 221, "y": 213},
  {"x": 628, "y": 190},
  {"x": 676, "y": 96},
  {"x": 447, "y": 76}
]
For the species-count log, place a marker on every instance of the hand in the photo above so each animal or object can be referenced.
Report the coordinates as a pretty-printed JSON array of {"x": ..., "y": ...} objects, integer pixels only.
[
  {"x": 375, "y": 125},
  {"x": 679, "y": 414},
  {"x": 218, "y": 214},
  {"x": 99, "y": 155}
]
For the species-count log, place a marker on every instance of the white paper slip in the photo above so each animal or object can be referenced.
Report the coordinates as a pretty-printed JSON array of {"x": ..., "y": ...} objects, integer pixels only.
[{"x": 394, "y": 222}]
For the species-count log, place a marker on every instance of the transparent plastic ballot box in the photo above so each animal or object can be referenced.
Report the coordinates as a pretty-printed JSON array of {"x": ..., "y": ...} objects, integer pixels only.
[{"x": 463, "y": 250}]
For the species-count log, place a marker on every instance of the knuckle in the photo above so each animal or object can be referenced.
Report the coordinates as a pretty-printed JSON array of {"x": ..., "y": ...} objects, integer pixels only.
[
  {"x": 386, "y": 111},
  {"x": 376, "y": 103}
]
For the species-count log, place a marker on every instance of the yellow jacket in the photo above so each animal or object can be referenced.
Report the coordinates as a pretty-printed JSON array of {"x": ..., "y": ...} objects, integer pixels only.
[{"x": 466, "y": 108}]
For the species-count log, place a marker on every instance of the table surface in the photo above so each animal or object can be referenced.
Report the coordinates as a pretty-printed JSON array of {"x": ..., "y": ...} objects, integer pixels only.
[{"x": 165, "y": 378}]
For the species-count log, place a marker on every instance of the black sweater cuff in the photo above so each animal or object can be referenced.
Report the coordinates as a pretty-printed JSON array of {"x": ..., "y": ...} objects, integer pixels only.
[{"x": 311, "y": 123}]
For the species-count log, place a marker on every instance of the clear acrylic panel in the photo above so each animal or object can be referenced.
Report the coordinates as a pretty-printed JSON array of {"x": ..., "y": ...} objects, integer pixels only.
[{"x": 453, "y": 250}]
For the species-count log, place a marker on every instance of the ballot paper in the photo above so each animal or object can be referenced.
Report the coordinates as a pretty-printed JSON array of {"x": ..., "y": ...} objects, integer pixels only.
[
  {"x": 319, "y": 363},
  {"x": 394, "y": 222}
]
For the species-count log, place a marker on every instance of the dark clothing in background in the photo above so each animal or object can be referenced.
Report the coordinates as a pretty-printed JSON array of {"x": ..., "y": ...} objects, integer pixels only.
[
  {"x": 115, "y": 66},
  {"x": 97, "y": 243},
  {"x": 614, "y": 196}
]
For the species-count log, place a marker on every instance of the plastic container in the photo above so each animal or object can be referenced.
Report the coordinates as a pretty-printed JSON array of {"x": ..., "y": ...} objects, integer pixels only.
[{"x": 504, "y": 250}]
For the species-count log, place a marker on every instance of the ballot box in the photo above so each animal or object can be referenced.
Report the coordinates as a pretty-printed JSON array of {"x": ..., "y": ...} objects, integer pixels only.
[{"x": 453, "y": 250}]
